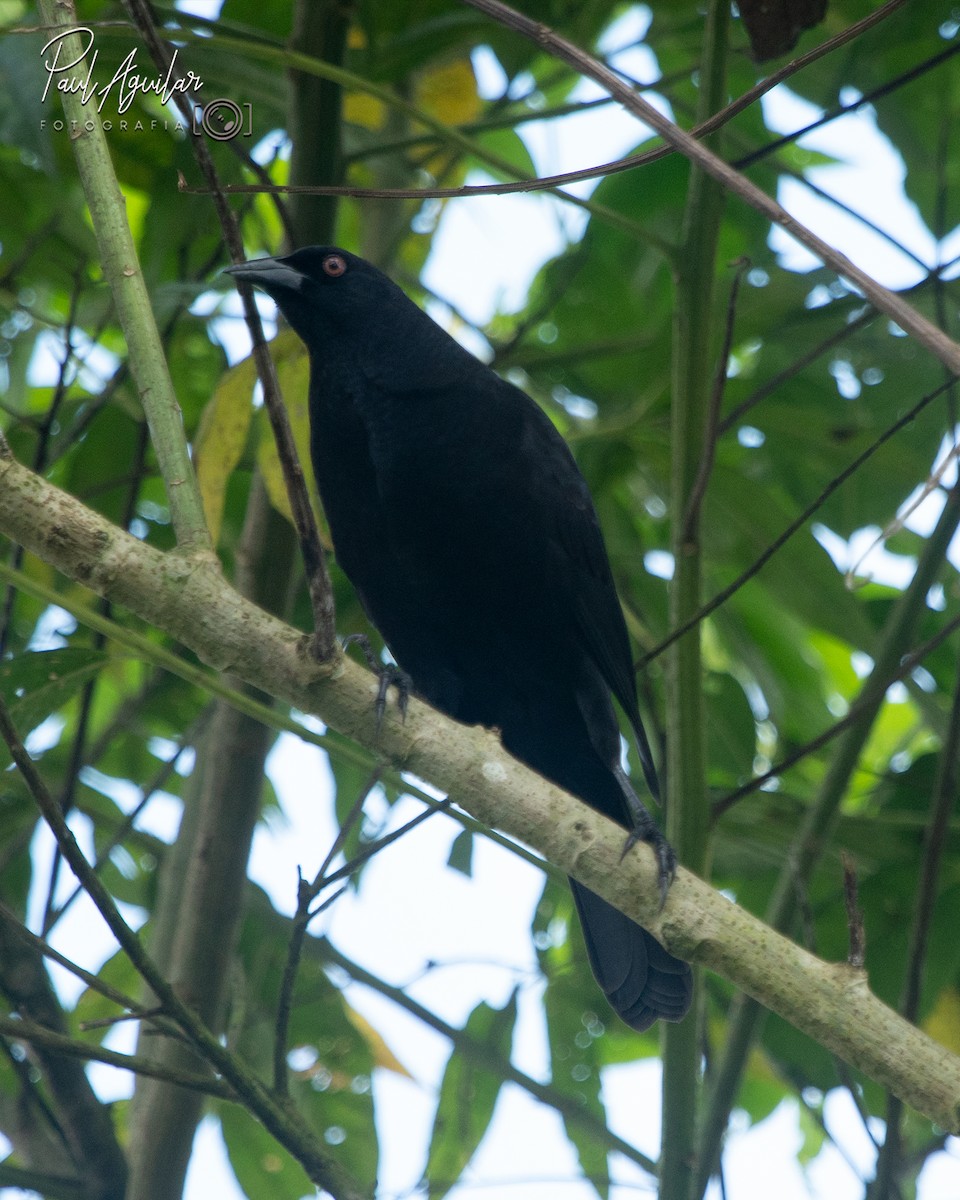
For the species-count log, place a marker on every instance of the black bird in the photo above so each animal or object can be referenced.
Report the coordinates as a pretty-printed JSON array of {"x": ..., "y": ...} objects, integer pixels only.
[{"x": 463, "y": 522}]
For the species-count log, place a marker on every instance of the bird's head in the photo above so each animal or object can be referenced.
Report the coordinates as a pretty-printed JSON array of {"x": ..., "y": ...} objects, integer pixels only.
[
  {"x": 323, "y": 291},
  {"x": 348, "y": 312}
]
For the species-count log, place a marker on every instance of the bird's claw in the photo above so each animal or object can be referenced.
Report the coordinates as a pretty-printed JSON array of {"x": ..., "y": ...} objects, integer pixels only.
[
  {"x": 666, "y": 856},
  {"x": 388, "y": 674}
]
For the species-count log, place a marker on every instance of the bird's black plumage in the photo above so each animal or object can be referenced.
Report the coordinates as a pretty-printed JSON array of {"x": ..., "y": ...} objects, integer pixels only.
[{"x": 461, "y": 518}]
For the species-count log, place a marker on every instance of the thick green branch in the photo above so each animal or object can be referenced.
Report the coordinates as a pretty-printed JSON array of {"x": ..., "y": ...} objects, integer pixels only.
[
  {"x": 746, "y": 1016},
  {"x": 694, "y": 370},
  {"x": 192, "y": 602},
  {"x": 118, "y": 257}
]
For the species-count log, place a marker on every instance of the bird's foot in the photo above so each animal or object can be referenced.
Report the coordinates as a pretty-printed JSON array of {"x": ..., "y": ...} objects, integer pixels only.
[
  {"x": 666, "y": 856},
  {"x": 646, "y": 830},
  {"x": 388, "y": 674}
]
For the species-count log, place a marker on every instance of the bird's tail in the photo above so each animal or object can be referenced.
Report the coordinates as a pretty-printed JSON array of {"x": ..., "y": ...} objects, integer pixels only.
[{"x": 641, "y": 980}]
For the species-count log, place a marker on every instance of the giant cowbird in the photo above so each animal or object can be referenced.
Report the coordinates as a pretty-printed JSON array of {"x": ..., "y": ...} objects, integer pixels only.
[{"x": 462, "y": 520}]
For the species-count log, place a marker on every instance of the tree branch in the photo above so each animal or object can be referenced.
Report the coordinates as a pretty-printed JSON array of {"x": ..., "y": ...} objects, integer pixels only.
[
  {"x": 691, "y": 452},
  {"x": 61, "y": 1045},
  {"x": 90, "y": 1138},
  {"x": 894, "y": 306},
  {"x": 191, "y": 601},
  {"x": 121, "y": 267},
  {"x": 280, "y": 1119}
]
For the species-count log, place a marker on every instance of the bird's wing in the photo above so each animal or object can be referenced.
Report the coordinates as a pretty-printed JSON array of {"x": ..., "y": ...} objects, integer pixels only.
[
  {"x": 577, "y": 567},
  {"x": 504, "y": 505}
]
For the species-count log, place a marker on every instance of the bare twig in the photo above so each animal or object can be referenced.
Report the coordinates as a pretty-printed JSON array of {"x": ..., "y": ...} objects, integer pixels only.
[
  {"x": 797, "y": 523},
  {"x": 772, "y": 385},
  {"x": 843, "y": 110},
  {"x": 857, "y": 951},
  {"x": 691, "y": 516},
  {"x": 863, "y": 703},
  {"x": 94, "y": 982},
  {"x": 306, "y": 894},
  {"x": 39, "y": 1035},
  {"x": 368, "y": 852},
  {"x": 318, "y": 580},
  {"x": 284, "y": 1124},
  {"x": 908, "y": 318},
  {"x": 126, "y": 825}
]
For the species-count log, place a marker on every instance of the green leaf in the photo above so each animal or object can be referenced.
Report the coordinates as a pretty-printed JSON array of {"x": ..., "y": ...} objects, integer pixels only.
[
  {"x": 580, "y": 1038},
  {"x": 36, "y": 684},
  {"x": 293, "y": 376},
  {"x": 461, "y": 853},
  {"x": 262, "y": 1167},
  {"x": 468, "y": 1096},
  {"x": 330, "y": 1061},
  {"x": 222, "y": 437}
]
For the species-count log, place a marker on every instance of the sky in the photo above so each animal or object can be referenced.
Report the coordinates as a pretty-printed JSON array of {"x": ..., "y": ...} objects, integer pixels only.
[{"x": 410, "y": 909}]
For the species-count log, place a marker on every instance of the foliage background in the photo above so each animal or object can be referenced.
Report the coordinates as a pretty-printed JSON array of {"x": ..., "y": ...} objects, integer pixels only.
[{"x": 814, "y": 378}]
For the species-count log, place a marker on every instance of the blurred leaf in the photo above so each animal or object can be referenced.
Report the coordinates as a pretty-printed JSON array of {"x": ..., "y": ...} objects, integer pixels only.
[
  {"x": 460, "y": 857},
  {"x": 448, "y": 91},
  {"x": 262, "y": 1167},
  {"x": 36, "y": 685},
  {"x": 383, "y": 1056},
  {"x": 222, "y": 437},
  {"x": 293, "y": 375},
  {"x": 943, "y": 1022},
  {"x": 468, "y": 1095}
]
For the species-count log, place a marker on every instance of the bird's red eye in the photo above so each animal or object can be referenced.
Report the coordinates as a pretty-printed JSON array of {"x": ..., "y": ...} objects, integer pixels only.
[{"x": 334, "y": 265}]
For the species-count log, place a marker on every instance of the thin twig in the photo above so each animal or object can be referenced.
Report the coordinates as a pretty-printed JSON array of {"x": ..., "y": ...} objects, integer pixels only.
[
  {"x": 25, "y": 1030},
  {"x": 856, "y": 954},
  {"x": 318, "y": 579},
  {"x": 797, "y": 523},
  {"x": 126, "y": 825},
  {"x": 772, "y": 385},
  {"x": 94, "y": 982},
  {"x": 843, "y": 110},
  {"x": 283, "y": 1123},
  {"x": 934, "y": 340},
  {"x": 691, "y": 516},
  {"x": 306, "y": 894},
  {"x": 864, "y": 701},
  {"x": 368, "y": 852}
]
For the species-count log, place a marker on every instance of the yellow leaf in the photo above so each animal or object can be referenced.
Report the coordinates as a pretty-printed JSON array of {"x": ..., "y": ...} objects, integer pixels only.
[
  {"x": 449, "y": 92},
  {"x": 383, "y": 1056},
  {"x": 360, "y": 108},
  {"x": 293, "y": 375},
  {"x": 943, "y": 1022},
  {"x": 221, "y": 438}
]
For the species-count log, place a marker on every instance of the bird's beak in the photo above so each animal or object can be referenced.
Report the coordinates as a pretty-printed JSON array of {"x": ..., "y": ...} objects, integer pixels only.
[{"x": 271, "y": 274}]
